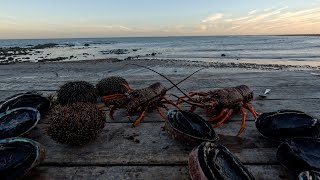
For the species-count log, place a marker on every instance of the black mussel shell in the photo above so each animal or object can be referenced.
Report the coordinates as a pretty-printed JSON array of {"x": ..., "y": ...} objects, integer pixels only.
[
  {"x": 300, "y": 154},
  {"x": 286, "y": 124},
  {"x": 29, "y": 99},
  {"x": 18, "y": 156},
  {"x": 211, "y": 161},
  {"x": 309, "y": 175},
  {"x": 189, "y": 127},
  {"x": 18, "y": 121}
]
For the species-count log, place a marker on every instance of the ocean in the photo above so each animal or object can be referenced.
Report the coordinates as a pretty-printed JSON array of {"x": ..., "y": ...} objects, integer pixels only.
[{"x": 288, "y": 50}]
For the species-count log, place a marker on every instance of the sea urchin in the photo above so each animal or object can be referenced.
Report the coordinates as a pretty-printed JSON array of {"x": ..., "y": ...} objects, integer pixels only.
[
  {"x": 75, "y": 124},
  {"x": 76, "y": 91},
  {"x": 111, "y": 85}
]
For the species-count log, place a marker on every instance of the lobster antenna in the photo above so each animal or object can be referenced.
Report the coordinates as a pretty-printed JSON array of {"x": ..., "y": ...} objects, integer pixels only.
[
  {"x": 192, "y": 103},
  {"x": 174, "y": 85},
  {"x": 168, "y": 88}
]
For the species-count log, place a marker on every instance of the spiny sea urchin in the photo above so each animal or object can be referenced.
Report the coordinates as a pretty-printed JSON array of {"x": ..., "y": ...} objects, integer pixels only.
[
  {"x": 76, "y": 91},
  {"x": 75, "y": 124},
  {"x": 111, "y": 85}
]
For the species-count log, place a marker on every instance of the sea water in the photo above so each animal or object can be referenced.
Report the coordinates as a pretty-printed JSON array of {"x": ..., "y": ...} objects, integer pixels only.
[{"x": 289, "y": 50}]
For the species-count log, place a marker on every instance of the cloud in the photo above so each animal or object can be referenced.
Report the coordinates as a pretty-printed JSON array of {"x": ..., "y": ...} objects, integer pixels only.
[
  {"x": 253, "y": 12},
  {"x": 212, "y": 18},
  {"x": 269, "y": 21}
]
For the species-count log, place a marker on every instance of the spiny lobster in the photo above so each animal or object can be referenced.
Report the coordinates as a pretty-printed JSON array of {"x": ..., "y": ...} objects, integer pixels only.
[
  {"x": 223, "y": 102},
  {"x": 142, "y": 100}
]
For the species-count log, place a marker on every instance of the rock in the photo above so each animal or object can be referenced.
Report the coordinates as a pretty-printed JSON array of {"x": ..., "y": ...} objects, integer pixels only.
[
  {"x": 44, "y": 46},
  {"x": 128, "y": 58},
  {"x": 53, "y": 59},
  {"x": 115, "y": 51},
  {"x": 86, "y": 44},
  {"x": 223, "y": 55}
]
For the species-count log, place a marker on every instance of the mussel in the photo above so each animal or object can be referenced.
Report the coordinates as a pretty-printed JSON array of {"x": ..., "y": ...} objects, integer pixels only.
[
  {"x": 29, "y": 99},
  {"x": 18, "y": 121},
  {"x": 211, "y": 161},
  {"x": 18, "y": 156},
  {"x": 300, "y": 154},
  {"x": 309, "y": 175},
  {"x": 189, "y": 128},
  {"x": 286, "y": 124}
]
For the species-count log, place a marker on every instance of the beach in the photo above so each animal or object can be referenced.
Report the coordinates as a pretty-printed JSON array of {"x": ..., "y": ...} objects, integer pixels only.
[{"x": 229, "y": 51}]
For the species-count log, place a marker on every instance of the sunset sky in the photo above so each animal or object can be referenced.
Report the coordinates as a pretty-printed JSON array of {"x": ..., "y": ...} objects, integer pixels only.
[{"x": 113, "y": 18}]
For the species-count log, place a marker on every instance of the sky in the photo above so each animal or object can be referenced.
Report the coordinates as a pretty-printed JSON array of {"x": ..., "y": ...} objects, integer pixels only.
[{"x": 132, "y": 18}]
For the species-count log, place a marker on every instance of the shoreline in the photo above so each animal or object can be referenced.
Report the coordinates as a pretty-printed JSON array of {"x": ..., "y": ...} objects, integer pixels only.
[{"x": 176, "y": 63}]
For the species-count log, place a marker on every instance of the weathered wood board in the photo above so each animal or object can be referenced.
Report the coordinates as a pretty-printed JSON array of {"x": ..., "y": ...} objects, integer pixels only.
[{"x": 148, "y": 151}]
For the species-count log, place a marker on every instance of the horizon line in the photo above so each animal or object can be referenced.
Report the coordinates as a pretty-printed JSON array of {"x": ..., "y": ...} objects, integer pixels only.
[{"x": 311, "y": 34}]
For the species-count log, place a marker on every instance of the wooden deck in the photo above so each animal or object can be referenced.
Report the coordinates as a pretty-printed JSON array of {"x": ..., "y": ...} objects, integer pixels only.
[{"x": 148, "y": 152}]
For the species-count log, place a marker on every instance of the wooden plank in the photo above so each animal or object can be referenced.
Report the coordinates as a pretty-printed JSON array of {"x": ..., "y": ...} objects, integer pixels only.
[
  {"x": 279, "y": 92},
  {"x": 120, "y": 144},
  {"x": 261, "y": 106},
  {"x": 120, "y": 115},
  {"x": 109, "y": 172},
  {"x": 260, "y": 172},
  {"x": 148, "y": 76},
  {"x": 140, "y": 81}
]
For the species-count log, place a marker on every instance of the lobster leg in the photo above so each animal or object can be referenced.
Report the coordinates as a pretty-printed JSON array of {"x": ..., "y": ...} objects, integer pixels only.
[
  {"x": 230, "y": 112},
  {"x": 113, "y": 96},
  {"x": 215, "y": 118},
  {"x": 161, "y": 114},
  {"x": 253, "y": 112},
  {"x": 111, "y": 112},
  {"x": 171, "y": 102},
  {"x": 138, "y": 120},
  {"x": 243, "y": 123},
  {"x": 192, "y": 108},
  {"x": 127, "y": 87},
  {"x": 198, "y": 93},
  {"x": 100, "y": 107}
]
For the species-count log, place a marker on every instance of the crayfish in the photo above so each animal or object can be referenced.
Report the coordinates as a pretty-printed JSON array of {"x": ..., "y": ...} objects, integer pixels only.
[
  {"x": 223, "y": 102},
  {"x": 142, "y": 100}
]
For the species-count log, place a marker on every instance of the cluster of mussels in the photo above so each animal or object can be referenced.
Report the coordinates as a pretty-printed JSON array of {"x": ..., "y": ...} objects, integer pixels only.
[
  {"x": 297, "y": 132},
  {"x": 207, "y": 160},
  {"x": 19, "y": 114}
]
